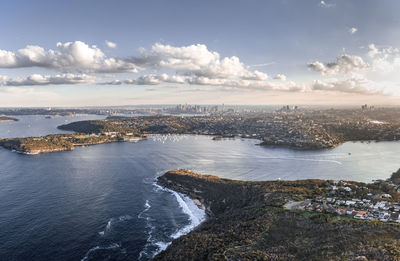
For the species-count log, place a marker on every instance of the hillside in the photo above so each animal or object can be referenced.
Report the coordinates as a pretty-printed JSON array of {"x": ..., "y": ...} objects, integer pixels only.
[{"x": 248, "y": 221}]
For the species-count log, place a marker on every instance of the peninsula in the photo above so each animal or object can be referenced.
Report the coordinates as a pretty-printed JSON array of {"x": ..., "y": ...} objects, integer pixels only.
[
  {"x": 298, "y": 129},
  {"x": 6, "y": 118},
  {"x": 264, "y": 220},
  {"x": 62, "y": 142}
]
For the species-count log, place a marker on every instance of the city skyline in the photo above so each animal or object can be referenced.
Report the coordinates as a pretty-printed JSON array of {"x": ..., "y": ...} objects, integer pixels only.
[{"x": 97, "y": 53}]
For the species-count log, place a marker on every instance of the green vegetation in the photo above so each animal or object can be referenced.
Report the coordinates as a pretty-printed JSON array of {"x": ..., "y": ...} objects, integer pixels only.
[
  {"x": 395, "y": 178},
  {"x": 94, "y": 126},
  {"x": 6, "y": 118},
  {"x": 59, "y": 142},
  {"x": 300, "y": 130},
  {"x": 247, "y": 221},
  {"x": 148, "y": 124}
]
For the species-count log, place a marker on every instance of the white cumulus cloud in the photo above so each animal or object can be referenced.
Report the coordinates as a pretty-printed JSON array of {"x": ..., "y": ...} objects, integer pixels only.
[
  {"x": 199, "y": 61},
  {"x": 325, "y": 4},
  {"x": 38, "y": 79},
  {"x": 343, "y": 64},
  {"x": 70, "y": 56},
  {"x": 111, "y": 45},
  {"x": 351, "y": 85},
  {"x": 353, "y": 30},
  {"x": 280, "y": 77}
]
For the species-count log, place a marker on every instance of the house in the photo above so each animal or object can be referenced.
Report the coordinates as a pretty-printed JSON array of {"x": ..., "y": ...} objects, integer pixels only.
[
  {"x": 386, "y": 196},
  {"x": 361, "y": 214},
  {"x": 348, "y": 189},
  {"x": 394, "y": 216},
  {"x": 330, "y": 200},
  {"x": 384, "y": 216},
  {"x": 350, "y": 203}
]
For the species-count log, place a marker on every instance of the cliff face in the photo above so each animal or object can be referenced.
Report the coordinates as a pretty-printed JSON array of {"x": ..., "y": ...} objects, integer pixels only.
[{"x": 247, "y": 221}]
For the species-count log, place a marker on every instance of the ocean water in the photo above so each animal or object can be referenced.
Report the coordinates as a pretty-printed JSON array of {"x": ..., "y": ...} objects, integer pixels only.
[
  {"x": 101, "y": 203},
  {"x": 39, "y": 125}
]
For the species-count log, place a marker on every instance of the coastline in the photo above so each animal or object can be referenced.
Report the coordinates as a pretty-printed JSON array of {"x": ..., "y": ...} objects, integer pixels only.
[
  {"x": 8, "y": 119},
  {"x": 192, "y": 207},
  {"x": 249, "y": 220},
  {"x": 61, "y": 142},
  {"x": 68, "y": 142}
]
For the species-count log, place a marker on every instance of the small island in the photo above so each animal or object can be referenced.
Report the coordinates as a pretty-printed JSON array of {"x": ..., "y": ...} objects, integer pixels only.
[
  {"x": 63, "y": 142},
  {"x": 6, "y": 118},
  {"x": 288, "y": 220}
]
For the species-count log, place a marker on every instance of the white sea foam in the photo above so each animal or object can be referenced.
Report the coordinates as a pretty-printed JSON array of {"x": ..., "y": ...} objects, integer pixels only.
[
  {"x": 196, "y": 216},
  {"x": 150, "y": 241},
  {"x": 108, "y": 227},
  {"x": 93, "y": 249},
  {"x": 112, "y": 221},
  {"x": 161, "y": 246},
  {"x": 147, "y": 206},
  {"x": 124, "y": 218}
]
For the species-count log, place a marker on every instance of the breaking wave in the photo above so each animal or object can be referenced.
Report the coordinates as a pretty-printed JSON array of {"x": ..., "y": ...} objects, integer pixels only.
[{"x": 195, "y": 214}]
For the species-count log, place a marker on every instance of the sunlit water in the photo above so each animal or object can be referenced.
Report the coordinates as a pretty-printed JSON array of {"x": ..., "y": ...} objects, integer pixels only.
[
  {"x": 100, "y": 202},
  {"x": 34, "y": 125}
]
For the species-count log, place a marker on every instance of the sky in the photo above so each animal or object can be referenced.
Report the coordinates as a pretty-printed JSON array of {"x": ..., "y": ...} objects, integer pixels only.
[{"x": 103, "y": 52}]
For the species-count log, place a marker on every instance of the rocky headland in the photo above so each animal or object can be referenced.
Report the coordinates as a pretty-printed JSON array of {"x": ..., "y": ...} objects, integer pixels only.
[
  {"x": 249, "y": 221},
  {"x": 62, "y": 142},
  {"x": 6, "y": 118}
]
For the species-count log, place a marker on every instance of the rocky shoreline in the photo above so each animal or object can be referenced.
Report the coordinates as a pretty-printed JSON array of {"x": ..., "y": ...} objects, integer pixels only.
[
  {"x": 7, "y": 119},
  {"x": 308, "y": 130},
  {"x": 62, "y": 142},
  {"x": 248, "y": 221},
  {"x": 195, "y": 195},
  {"x": 301, "y": 146}
]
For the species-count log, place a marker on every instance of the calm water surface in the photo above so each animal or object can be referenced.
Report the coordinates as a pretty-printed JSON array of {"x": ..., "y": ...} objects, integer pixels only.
[
  {"x": 100, "y": 202},
  {"x": 39, "y": 125}
]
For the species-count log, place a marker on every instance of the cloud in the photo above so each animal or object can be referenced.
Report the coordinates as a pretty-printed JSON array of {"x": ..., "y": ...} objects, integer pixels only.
[
  {"x": 353, "y": 30},
  {"x": 111, "y": 45},
  {"x": 372, "y": 50},
  {"x": 150, "y": 79},
  {"x": 262, "y": 64},
  {"x": 146, "y": 80},
  {"x": 280, "y": 77},
  {"x": 343, "y": 64},
  {"x": 197, "y": 60},
  {"x": 246, "y": 84},
  {"x": 70, "y": 56},
  {"x": 381, "y": 61},
  {"x": 202, "y": 80},
  {"x": 113, "y": 82},
  {"x": 351, "y": 85},
  {"x": 378, "y": 76},
  {"x": 37, "y": 79},
  {"x": 189, "y": 65},
  {"x": 326, "y": 5}
]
